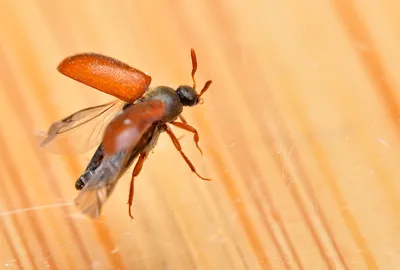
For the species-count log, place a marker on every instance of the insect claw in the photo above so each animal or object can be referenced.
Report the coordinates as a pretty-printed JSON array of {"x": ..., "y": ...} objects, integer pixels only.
[
  {"x": 202, "y": 178},
  {"x": 130, "y": 214}
]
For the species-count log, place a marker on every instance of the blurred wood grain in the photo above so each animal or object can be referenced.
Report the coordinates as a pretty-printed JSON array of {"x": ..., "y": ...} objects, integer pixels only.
[{"x": 300, "y": 132}]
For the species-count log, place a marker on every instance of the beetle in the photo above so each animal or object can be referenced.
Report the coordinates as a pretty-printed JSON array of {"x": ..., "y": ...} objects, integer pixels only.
[{"x": 133, "y": 125}]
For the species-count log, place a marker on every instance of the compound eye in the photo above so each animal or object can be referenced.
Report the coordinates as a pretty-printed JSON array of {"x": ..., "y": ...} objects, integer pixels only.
[{"x": 187, "y": 95}]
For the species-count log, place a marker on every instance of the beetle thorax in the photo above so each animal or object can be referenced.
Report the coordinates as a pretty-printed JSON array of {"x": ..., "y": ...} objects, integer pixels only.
[{"x": 173, "y": 105}]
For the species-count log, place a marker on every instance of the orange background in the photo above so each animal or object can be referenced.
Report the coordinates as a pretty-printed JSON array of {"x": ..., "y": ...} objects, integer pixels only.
[{"x": 300, "y": 132}]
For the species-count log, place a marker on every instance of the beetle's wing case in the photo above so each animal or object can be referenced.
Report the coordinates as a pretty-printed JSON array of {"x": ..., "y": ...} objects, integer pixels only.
[
  {"x": 107, "y": 75},
  {"x": 127, "y": 129},
  {"x": 81, "y": 130},
  {"x": 124, "y": 132},
  {"x": 99, "y": 187}
]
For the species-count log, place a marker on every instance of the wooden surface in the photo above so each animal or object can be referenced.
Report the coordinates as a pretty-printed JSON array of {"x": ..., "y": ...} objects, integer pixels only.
[{"x": 300, "y": 132}]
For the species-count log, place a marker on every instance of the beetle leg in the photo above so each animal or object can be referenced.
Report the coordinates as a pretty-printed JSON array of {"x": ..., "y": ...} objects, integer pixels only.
[
  {"x": 179, "y": 148},
  {"x": 189, "y": 128},
  {"x": 136, "y": 171},
  {"x": 182, "y": 119}
]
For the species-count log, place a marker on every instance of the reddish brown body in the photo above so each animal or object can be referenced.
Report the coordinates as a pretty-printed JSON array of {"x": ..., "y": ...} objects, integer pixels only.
[{"x": 133, "y": 132}]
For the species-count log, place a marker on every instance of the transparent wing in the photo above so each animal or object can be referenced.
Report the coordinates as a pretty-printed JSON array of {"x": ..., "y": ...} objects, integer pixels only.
[
  {"x": 80, "y": 131},
  {"x": 97, "y": 190}
]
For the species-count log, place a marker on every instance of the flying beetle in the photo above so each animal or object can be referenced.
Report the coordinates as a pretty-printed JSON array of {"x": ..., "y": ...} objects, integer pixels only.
[{"x": 130, "y": 126}]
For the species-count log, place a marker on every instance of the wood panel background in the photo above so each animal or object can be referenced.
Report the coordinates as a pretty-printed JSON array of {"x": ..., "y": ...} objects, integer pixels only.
[{"x": 300, "y": 132}]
